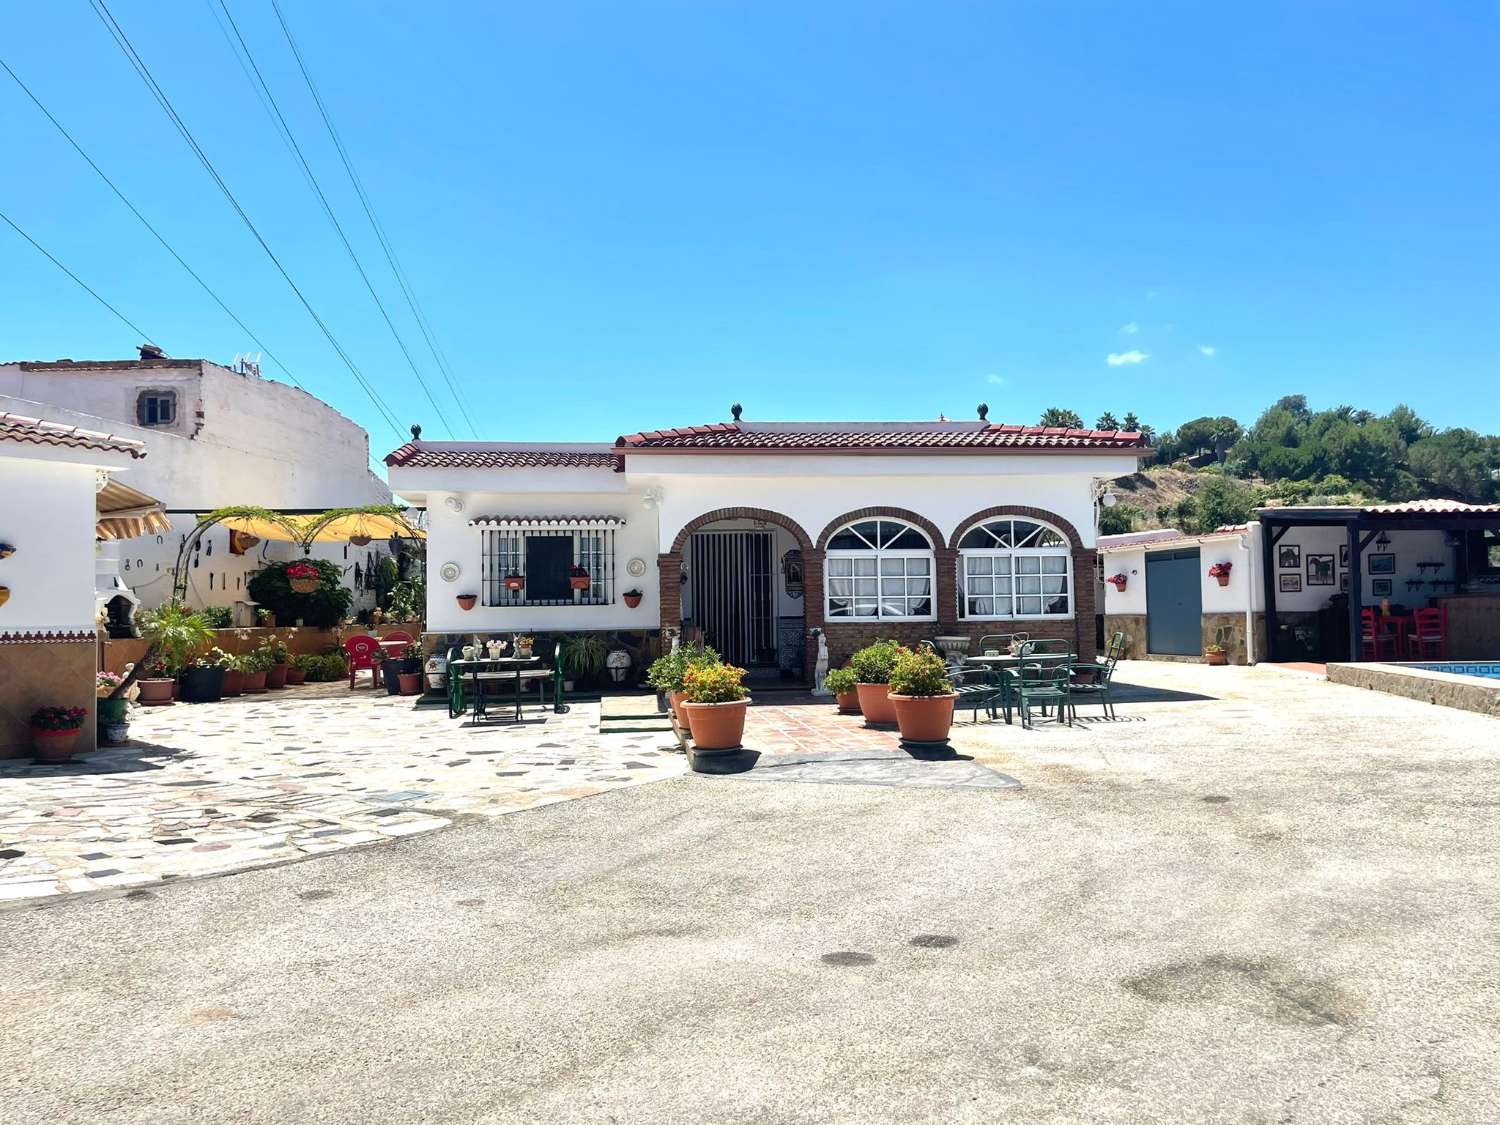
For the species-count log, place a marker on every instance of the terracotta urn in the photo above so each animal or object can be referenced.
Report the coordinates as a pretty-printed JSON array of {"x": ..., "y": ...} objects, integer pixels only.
[
  {"x": 875, "y": 702},
  {"x": 717, "y": 726},
  {"x": 155, "y": 693},
  {"x": 924, "y": 718}
]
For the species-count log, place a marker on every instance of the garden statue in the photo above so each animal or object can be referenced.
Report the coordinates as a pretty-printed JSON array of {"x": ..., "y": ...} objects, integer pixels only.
[{"x": 820, "y": 667}]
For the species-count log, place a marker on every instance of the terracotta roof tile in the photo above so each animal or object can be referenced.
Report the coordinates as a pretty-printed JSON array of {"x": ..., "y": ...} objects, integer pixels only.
[
  {"x": 454, "y": 455},
  {"x": 18, "y": 427},
  {"x": 1433, "y": 508},
  {"x": 798, "y": 436}
]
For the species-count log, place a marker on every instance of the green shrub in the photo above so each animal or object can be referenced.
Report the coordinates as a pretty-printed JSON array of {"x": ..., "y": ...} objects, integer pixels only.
[
  {"x": 668, "y": 671},
  {"x": 841, "y": 681},
  {"x": 324, "y": 607},
  {"x": 873, "y": 664},
  {"x": 920, "y": 672},
  {"x": 714, "y": 683},
  {"x": 217, "y": 616},
  {"x": 584, "y": 654}
]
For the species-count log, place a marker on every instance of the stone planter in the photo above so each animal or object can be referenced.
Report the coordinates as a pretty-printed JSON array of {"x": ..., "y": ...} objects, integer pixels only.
[
  {"x": 848, "y": 702},
  {"x": 924, "y": 718},
  {"x": 155, "y": 693},
  {"x": 202, "y": 685},
  {"x": 234, "y": 682},
  {"x": 875, "y": 702},
  {"x": 717, "y": 726},
  {"x": 276, "y": 677},
  {"x": 53, "y": 745},
  {"x": 254, "y": 683}
]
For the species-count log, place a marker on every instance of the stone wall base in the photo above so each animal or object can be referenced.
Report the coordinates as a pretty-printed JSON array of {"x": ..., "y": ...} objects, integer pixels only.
[
  {"x": 1468, "y": 693},
  {"x": 44, "y": 674},
  {"x": 1227, "y": 629}
]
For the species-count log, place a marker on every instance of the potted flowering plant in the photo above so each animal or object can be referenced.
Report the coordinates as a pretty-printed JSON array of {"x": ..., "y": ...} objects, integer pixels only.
[
  {"x": 54, "y": 730},
  {"x": 158, "y": 682},
  {"x": 1220, "y": 570},
  {"x": 515, "y": 583},
  {"x": 409, "y": 678},
  {"x": 524, "y": 646},
  {"x": 276, "y": 672},
  {"x": 716, "y": 704},
  {"x": 578, "y": 578},
  {"x": 922, "y": 695},
  {"x": 632, "y": 598},
  {"x": 302, "y": 577},
  {"x": 202, "y": 681},
  {"x": 1118, "y": 581},
  {"x": 256, "y": 665},
  {"x": 844, "y": 684},
  {"x": 668, "y": 671},
  {"x": 872, "y": 666}
]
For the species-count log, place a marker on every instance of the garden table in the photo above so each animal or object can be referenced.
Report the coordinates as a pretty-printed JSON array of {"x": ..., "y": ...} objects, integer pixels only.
[
  {"x": 1005, "y": 662},
  {"x": 474, "y": 668}
]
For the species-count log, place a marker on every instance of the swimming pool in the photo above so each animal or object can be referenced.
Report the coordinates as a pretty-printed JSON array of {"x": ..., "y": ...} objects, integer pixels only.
[{"x": 1487, "y": 668}]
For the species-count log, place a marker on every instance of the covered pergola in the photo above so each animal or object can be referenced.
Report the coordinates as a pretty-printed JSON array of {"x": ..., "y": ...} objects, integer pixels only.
[{"x": 1460, "y": 523}]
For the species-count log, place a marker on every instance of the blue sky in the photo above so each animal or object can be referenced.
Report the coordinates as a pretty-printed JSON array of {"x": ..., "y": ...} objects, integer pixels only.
[{"x": 628, "y": 216}]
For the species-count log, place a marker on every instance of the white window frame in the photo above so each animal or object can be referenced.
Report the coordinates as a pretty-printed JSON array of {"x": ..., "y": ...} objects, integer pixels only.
[
  {"x": 1012, "y": 557},
  {"x": 881, "y": 557}
]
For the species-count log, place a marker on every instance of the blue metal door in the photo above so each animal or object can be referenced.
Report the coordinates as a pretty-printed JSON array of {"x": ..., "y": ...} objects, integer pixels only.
[{"x": 1174, "y": 603}]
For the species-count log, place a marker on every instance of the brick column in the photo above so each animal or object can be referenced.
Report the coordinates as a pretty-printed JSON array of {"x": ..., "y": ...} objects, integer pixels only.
[
  {"x": 945, "y": 588},
  {"x": 669, "y": 574},
  {"x": 1083, "y": 603},
  {"x": 812, "y": 608}
]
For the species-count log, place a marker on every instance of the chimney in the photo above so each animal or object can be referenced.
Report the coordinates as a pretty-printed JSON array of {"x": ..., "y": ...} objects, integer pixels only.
[{"x": 151, "y": 351}]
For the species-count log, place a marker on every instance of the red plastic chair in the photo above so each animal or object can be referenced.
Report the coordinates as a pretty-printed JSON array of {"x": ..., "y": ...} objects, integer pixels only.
[
  {"x": 364, "y": 655},
  {"x": 1376, "y": 634},
  {"x": 1429, "y": 632}
]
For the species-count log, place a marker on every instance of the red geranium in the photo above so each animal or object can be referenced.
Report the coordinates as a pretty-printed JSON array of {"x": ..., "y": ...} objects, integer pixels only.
[{"x": 302, "y": 570}]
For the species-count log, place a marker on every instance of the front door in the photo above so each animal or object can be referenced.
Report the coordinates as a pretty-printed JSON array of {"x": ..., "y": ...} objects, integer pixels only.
[
  {"x": 1174, "y": 603},
  {"x": 730, "y": 575}
]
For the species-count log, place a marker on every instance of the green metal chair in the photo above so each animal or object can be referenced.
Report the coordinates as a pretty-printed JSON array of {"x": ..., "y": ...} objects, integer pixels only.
[
  {"x": 1043, "y": 686},
  {"x": 977, "y": 687},
  {"x": 997, "y": 643},
  {"x": 1047, "y": 646},
  {"x": 1092, "y": 680}
]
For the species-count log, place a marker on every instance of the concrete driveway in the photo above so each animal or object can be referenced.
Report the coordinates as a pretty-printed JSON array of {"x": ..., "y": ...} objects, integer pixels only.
[{"x": 1274, "y": 903}]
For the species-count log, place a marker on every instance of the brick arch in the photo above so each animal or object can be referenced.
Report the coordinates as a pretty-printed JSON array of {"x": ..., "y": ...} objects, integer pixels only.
[
  {"x": 933, "y": 534},
  {"x": 741, "y": 514},
  {"x": 1041, "y": 514}
]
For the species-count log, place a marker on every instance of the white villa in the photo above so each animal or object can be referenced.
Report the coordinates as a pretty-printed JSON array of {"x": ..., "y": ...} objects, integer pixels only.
[{"x": 759, "y": 535}]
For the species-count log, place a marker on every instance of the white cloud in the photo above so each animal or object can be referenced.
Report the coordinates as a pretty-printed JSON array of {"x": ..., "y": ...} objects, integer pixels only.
[
  {"x": 1126, "y": 359},
  {"x": 1207, "y": 349},
  {"x": 998, "y": 380},
  {"x": 1129, "y": 329}
]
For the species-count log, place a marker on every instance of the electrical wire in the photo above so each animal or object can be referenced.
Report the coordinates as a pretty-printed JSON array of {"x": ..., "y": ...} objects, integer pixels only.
[
  {"x": 101, "y": 9},
  {"x": 134, "y": 327},
  {"x": 417, "y": 313},
  {"x": 333, "y": 219}
]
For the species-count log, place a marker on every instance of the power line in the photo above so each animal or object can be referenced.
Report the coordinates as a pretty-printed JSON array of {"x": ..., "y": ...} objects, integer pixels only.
[
  {"x": 390, "y": 254},
  {"x": 146, "y": 223},
  {"x": 135, "y": 328},
  {"x": 333, "y": 219},
  {"x": 101, "y": 9}
]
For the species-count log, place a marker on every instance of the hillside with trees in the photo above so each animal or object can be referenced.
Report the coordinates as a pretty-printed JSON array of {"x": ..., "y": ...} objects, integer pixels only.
[{"x": 1210, "y": 472}]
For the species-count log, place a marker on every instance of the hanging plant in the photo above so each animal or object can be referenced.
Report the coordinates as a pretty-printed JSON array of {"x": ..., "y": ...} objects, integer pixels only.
[
  {"x": 514, "y": 583},
  {"x": 1118, "y": 581},
  {"x": 302, "y": 577},
  {"x": 1220, "y": 570}
]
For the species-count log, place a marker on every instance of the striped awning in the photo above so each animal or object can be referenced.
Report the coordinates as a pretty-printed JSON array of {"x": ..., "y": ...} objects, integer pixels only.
[
  {"x": 125, "y": 513},
  {"x": 547, "y": 523}
]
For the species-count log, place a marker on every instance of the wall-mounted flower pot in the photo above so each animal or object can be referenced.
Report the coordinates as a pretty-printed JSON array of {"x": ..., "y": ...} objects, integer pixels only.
[
  {"x": 359, "y": 540},
  {"x": 466, "y": 601},
  {"x": 303, "y": 585},
  {"x": 632, "y": 600},
  {"x": 514, "y": 583},
  {"x": 1223, "y": 579},
  {"x": 6, "y": 550},
  {"x": 4, "y": 594},
  {"x": 580, "y": 582}
]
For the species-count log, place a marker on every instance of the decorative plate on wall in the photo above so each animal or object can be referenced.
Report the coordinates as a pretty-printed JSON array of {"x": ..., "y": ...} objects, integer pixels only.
[
  {"x": 454, "y": 504},
  {"x": 450, "y": 572},
  {"x": 635, "y": 567}
]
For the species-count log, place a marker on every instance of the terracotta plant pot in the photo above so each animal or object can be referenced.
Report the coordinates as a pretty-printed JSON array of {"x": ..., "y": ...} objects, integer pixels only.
[
  {"x": 875, "y": 702},
  {"x": 303, "y": 585},
  {"x": 411, "y": 683},
  {"x": 632, "y": 600},
  {"x": 579, "y": 583},
  {"x": 924, "y": 718},
  {"x": 254, "y": 683},
  {"x": 717, "y": 726},
  {"x": 234, "y": 682},
  {"x": 466, "y": 601},
  {"x": 295, "y": 676},
  {"x": 1223, "y": 579},
  {"x": 1216, "y": 658},
  {"x": 276, "y": 677},
  {"x": 155, "y": 693},
  {"x": 848, "y": 702},
  {"x": 53, "y": 745},
  {"x": 677, "y": 699}
]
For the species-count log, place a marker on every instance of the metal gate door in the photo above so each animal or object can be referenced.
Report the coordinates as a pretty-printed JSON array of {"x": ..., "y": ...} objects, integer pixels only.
[
  {"x": 1174, "y": 603},
  {"x": 730, "y": 574}
]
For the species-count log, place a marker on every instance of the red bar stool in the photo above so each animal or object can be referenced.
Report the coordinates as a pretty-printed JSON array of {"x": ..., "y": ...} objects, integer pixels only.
[{"x": 1429, "y": 634}]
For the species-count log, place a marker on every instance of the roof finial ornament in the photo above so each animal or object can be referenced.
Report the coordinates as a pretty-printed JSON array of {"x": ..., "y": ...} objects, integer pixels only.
[
  {"x": 736, "y": 410},
  {"x": 416, "y": 433},
  {"x": 984, "y": 412}
]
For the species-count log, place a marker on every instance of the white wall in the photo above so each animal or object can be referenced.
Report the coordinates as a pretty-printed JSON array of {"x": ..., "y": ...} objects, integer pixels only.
[
  {"x": 47, "y": 512},
  {"x": 1245, "y": 582},
  {"x": 1132, "y": 564},
  {"x": 1408, "y": 547}
]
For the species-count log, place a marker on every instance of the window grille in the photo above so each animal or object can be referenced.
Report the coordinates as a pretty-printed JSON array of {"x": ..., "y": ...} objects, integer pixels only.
[{"x": 505, "y": 554}]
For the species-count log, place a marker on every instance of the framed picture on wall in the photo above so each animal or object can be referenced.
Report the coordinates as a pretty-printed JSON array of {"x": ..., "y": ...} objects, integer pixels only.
[
  {"x": 1380, "y": 587},
  {"x": 1344, "y": 556},
  {"x": 1289, "y": 556},
  {"x": 1290, "y": 583},
  {"x": 1344, "y": 582},
  {"x": 1382, "y": 564},
  {"x": 1320, "y": 571}
]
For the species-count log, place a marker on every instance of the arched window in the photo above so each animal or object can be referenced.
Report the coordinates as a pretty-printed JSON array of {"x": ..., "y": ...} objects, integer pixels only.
[
  {"x": 879, "y": 568},
  {"x": 1015, "y": 568}
]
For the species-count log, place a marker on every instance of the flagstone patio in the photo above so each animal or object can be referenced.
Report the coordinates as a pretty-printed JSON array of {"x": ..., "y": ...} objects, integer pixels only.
[{"x": 215, "y": 788}]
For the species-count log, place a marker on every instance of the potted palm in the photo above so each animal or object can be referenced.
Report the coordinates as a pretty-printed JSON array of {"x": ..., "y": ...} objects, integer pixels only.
[
  {"x": 844, "y": 684},
  {"x": 173, "y": 635},
  {"x": 872, "y": 666},
  {"x": 715, "y": 706},
  {"x": 922, "y": 695},
  {"x": 54, "y": 730}
]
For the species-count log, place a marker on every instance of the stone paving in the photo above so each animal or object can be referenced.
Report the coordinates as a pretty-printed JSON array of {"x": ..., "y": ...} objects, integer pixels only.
[{"x": 215, "y": 788}]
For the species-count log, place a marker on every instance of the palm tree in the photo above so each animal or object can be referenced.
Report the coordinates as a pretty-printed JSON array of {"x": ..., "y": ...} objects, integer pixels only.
[
  {"x": 172, "y": 633},
  {"x": 1057, "y": 416}
]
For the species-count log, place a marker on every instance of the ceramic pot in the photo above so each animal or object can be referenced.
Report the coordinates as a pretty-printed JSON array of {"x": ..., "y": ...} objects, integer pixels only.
[
  {"x": 924, "y": 718},
  {"x": 1218, "y": 659},
  {"x": 632, "y": 600},
  {"x": 155, "y": 693},
  {"x": 53, "y": 745},
  {"x": 875, "y": 702},
  {"x": 295, "y": 676},
  {"x": 848, "y": 702},
  {"x": 114, "y": 734},
  {"x": 717, "y": 726},
  {"x": 202, "y": 685},
  {"x": 276, "y": 677},
  {"x": 234, "y": 682},
  {"x": 466, "y": 601},
  {"x": 254, "y": 683},
  {"x": 411, "y": 683},
  {"x": 110, "y": 710}
]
